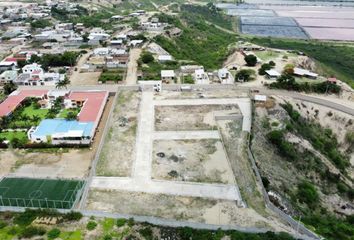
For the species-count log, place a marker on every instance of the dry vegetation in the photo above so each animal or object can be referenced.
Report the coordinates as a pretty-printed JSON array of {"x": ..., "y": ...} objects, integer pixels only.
[{"x": 118, "y": 152}]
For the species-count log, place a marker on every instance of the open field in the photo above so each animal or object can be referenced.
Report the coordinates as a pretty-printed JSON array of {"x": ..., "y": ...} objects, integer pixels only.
[
  {"x": 118, "y": 152},
  {"x": 42, "y": 193},
  {"x": 46, "y": 163},
  {"x": 175, "y": 207},
  {"x": 191, "y": 160},
  {"x": 194, "y": 117}
]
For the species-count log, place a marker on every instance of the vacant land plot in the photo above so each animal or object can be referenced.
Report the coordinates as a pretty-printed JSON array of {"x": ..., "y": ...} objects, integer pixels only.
[
  {"x": 191, "y": 160},
  {"x": 118, "y": 152},
  {"x": 190, "y": 117},
  {"x": 42, "y": 193},
  {"x": 46, "y": 163},
  {"x": 176, "y": 207}
]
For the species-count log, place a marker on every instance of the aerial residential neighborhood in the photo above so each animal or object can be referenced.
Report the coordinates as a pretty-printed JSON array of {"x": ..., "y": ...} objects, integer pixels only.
[{"x": 176, "y": 120}]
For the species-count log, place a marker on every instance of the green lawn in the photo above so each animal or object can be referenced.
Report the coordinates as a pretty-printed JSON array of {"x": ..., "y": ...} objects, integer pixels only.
[
  {"x": 11, "y": 135},
  {"x": 64, "y": 112},
  {"x": 31, "y": 111}
]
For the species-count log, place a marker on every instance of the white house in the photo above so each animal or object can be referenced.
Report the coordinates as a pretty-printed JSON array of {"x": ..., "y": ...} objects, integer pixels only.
[
  {"x": 168, "y": 76},
  {"x": 272, "y": 74},
  {"x": 8, "y": 76},
  {"x": 305, "y": 73},
  {"x": 201, "y": 77},
  {"x": 164, "y": 58},
  {"x": 225, "y": 76}
]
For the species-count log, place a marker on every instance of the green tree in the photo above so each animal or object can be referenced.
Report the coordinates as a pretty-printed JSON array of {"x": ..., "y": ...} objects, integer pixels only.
[
  {"x": 251, "y": 60},
  {"x": 9, "y": 87},
  {"x": 147, "y": 57},
  {"x": 245, "y": 75}
]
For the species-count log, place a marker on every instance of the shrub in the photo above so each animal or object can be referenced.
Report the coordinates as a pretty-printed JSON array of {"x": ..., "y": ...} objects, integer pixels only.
[
  {"x": 107, "y": 237},
  {"x": 25, "y": 218},
  {"x": 72, "y": 216},
  {"x": 146, "y": 233},
  {"x": 54, "y": 233},
  {"x": 91, "y": 225},
  {"x": 131, "y": 222},
  {"x": 307, "y": 193},
  {"x": 31, "y": 231},
  {"x": 121, "y": 222},
  {"x": 342, "y": 188},
  {"x": 2, "y": 224}
]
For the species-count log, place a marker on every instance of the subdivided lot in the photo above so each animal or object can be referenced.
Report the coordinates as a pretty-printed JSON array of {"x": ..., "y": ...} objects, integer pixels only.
[
  {"x": 40, "y": 193},
  {"x": 176, "y": 207},
  {"x": 274, "y": 31},
  {"x": 271, "y": 21},
  {"x": 190, "y": 117},
  {"x": 191, "y": 160},
  {"x": 118, "y": 152}
]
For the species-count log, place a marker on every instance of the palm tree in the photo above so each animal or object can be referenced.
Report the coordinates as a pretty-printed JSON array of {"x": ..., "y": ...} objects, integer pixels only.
[{"x": 63, "y": 83}]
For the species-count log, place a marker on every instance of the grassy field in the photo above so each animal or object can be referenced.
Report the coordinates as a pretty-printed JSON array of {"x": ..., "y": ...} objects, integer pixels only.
[
  {"x": 44, "y": 193},
  {"x": 64, "y": 113},
  {"x": 32, "y": 111},
  {"x": 333, "y": 60}
]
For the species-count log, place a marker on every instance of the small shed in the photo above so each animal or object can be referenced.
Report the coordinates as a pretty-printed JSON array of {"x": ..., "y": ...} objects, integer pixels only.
[
  {"x": 272, "y": 74},
  {"x": 167, "y": 76}
]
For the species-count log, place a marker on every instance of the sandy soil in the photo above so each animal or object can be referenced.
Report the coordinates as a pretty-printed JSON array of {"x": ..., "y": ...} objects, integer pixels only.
[
  {"x": 88, "y": 78},
  {"x": 72, "y": 163},
  {"x": 174, "y": 207},
  {"x": 223, "y": 93},
  {"x": 118, "y": 152},
  {"x": 194, "y": 117},
  {"x": 191, "y": 160}
]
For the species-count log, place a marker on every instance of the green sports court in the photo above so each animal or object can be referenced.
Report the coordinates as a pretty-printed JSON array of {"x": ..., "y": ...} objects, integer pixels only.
[{"x": 40, "y": 193}]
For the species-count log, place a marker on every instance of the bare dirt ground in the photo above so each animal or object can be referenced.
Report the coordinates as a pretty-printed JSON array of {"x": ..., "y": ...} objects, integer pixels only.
[
  {"x": 176, "y": 207},
  {"x": 118, "y": 152},
  {"x": 224, "y": 93},
  {"x": 194, "y": 117},
  {"x": 73, "y": 163},
  {"x": 89, "y": 78},
  {"x": 191, "y": 160}
]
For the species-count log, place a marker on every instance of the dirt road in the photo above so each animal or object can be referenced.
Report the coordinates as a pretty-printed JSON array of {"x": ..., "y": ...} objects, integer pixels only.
[
  {"x": 133, "y": 66},
  {"x": 79, "y": 79}
]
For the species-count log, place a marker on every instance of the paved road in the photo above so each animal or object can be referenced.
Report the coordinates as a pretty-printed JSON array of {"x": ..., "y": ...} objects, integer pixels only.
[
  {"x": 214, "y": 191},
  {"x": 299, "y": 96},
  {"x": 175, "y": 135},
  {"x": 143, "y": 161}
]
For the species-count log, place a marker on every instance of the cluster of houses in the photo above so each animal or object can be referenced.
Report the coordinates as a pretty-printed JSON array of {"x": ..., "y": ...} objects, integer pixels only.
[
  {"x": 198, "y": 74},
  {"x": 30, "y": 74},
  {"x": 58, "y": 130}
]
